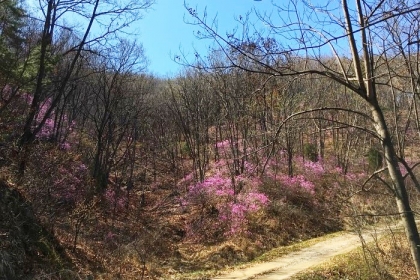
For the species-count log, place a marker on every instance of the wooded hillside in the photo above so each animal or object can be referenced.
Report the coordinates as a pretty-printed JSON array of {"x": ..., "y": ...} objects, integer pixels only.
[{"x": 259, "y": 143}]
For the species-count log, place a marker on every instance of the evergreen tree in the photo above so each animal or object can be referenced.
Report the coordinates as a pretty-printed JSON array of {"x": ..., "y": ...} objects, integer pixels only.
[{"x": 11, "y": 38}]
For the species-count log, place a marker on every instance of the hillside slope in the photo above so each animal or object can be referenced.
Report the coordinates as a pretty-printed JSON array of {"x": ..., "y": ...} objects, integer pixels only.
[{"x": 27, "y": 250}]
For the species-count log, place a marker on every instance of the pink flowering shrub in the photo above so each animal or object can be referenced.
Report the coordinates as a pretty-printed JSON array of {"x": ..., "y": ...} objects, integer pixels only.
[
  {"x": 47, "y": 131},
  {"x": 70, "y": 182},
  {"x": 223, "y": 144},
  {"x": 315, "y": 195},
  {"x": 237, "y": 212},
  {"x": 230, "y": 204},
  {"x": 227, "y": 201},
  {"x": 57, "y": 178},
  {"x": 307, "y": 175},
  {"x": 230, "y": 201},
  {"x": 296, "y": 182},
  {"x": 115, "y": 198}
]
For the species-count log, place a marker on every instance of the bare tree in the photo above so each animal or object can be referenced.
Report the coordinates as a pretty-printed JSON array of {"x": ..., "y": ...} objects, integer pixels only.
[
  {"x": 109, "y": 18},
  {"x": 297, "y": 41},
  {"x": 192, "y": 105},
  {"x": 112, "y": 106}
]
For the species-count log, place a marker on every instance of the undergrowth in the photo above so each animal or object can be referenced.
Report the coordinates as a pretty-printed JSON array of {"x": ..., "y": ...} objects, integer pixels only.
[{"x": 164, "y": 226}]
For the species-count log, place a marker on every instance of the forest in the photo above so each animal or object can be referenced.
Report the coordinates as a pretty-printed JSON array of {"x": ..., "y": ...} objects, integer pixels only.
[{"x": 270, "y": 138}]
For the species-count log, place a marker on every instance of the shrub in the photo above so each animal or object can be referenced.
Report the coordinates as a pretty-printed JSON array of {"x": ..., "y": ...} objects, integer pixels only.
[
  {"x": 310, "y": 152},
  {"x": 225, "y": 200},
  {"x": 374, "y": 158}
]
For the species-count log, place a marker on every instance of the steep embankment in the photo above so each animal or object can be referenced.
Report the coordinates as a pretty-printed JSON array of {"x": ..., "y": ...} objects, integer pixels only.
[{"x": 27, "y": 250}]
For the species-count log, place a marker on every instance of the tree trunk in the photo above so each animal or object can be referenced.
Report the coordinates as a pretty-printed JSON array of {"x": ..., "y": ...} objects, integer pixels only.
[{"x": 400, "y": 191}]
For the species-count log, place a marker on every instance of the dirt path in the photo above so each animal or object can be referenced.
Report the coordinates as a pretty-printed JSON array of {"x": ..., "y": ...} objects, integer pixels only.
[{"x": 290, "y": 264}]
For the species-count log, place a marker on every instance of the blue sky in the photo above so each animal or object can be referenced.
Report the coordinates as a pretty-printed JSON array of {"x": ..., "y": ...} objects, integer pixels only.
[{"x": 164, "y": 33}]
